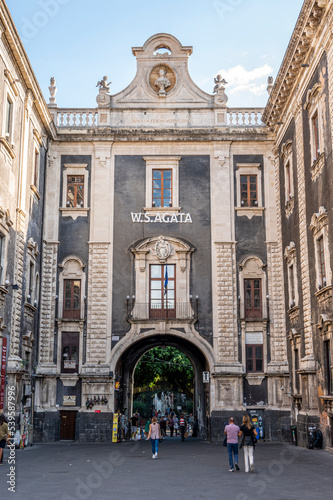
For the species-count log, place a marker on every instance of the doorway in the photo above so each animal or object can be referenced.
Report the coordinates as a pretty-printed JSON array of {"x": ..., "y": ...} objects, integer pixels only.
[{"x": 67, "y": 425}]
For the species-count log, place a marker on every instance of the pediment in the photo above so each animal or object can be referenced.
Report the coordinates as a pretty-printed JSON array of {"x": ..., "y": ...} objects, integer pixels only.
[{"x": 162, "y": 78}]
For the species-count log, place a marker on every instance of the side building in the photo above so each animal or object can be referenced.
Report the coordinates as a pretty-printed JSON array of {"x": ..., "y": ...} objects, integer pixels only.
[
  {"x": 160, "y": 228},
  {"x": 25, "y": 129},
  {"x": 300, "y": 112}
]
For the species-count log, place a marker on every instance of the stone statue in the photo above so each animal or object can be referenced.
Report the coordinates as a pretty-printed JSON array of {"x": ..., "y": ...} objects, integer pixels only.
[
  {"x": 53, "y": 91},
  {"x": 221, "y": 98},
  {"x": 270, "y": 84},
  {"x": 162, "y": 82},
  {"x": 103, "y": 83},
  {"x": 219, "y": 84}
]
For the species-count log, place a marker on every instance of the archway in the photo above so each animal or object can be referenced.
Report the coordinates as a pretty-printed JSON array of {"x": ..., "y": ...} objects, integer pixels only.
[{"x": 124, "y": 374}]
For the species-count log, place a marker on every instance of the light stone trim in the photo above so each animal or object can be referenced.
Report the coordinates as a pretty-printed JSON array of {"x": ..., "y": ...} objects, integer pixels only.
[
  {"x": 47, "y": 303},
  {"x": 98, "y": 303},
  {"x": 226, "y": 336},
  {"x": 304, "y": 254}
]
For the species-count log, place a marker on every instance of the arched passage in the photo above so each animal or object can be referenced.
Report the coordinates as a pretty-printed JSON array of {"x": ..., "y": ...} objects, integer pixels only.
[{"x": 125, "y": 367}]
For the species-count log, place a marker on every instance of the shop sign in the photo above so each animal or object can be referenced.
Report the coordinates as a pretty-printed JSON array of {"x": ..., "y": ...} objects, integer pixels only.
[
  {"x": 161, "y": 218},
  {"x": 3, "y": 373},
  {"x": 69, "y": 401}
]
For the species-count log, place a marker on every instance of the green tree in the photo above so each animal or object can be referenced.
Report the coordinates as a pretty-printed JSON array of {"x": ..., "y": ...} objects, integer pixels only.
[{"x": 163, "y": 369}]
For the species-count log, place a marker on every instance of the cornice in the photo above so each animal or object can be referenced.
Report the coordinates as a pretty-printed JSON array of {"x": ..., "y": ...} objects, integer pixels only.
[{"x": 306, "y": 29}]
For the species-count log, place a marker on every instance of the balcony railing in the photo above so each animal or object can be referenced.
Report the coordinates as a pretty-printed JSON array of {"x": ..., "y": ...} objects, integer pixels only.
[
  {"x": 178, "y": 311},
  {"x": 88, "y": 117}
]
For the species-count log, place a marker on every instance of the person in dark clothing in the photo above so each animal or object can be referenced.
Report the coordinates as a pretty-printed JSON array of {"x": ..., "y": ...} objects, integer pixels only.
[
  {"x": 195, "y": 428},
  {"x": 182, "y": 426},
  {"x": 249, "y": 434}
]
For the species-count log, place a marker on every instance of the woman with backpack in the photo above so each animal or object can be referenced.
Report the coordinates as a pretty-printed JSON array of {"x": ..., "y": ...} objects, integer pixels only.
[{"x": 248, "y": 442}]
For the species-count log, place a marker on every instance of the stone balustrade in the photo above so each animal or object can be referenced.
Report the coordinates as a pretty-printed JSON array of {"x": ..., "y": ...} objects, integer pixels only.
[
  {"x": 87, "y": 118},
  {"x": 75, "y": 117},
  {"x": 245, "y": 117}
]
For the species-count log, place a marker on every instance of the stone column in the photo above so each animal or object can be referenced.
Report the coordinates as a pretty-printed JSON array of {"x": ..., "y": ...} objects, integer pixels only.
[
  {"x": 47, "y": 307},
  {"x": 308, "y": 362}
]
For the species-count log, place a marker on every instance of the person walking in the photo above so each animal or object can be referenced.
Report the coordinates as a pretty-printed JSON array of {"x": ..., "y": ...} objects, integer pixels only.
[
  {"x": 147, "y": 428},
  {"x": 134, "y": 422},
  {"x": 248, "y": 433},
  {"x": 171, "y": 425},
  {"x": 4, "y": 436},
  {"x": 154, "y": 435},
  {"x": 182, "y": 426},
  {"x": 231, "y": 430}
]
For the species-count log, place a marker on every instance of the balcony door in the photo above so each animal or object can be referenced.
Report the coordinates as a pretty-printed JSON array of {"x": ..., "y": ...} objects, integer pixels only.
[{"x": 162, "y": 293}]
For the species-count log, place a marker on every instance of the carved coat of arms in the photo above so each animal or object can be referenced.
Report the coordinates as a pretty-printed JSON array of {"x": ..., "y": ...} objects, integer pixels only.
[{"x": 162, "y": 249}]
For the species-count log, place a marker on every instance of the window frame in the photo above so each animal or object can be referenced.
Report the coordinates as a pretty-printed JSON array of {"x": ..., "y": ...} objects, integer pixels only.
[
  {"x": 254, "y": 358},
  {"x": 75, "y": 170},
  {"x": 319, "y": 227},
  {"x": 9, "y": 112},
  {"x": 328, "y": 366},
  {"x": 162, "y": 163},
  {"x": 313, "y": 105},
  {"x": 249, "y": 169},
  {"x": 257, "y": 313},
  {"x": 72, "y": 313},
  {"x": 161, "y": 189},
  {"x": 248, "y": 191},
  {"x": 162, "y": 312},
  {"x": 75, "y": 184},
  {"x": 70, "y": 344},
  {"x": 297, "y": 380}
]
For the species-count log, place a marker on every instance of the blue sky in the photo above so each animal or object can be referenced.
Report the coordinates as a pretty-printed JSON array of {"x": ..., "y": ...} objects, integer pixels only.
[{"x": 79, "y": 41}]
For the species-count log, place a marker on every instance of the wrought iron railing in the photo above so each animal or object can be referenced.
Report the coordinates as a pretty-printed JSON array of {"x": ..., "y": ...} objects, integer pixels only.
[{"x": 178, "y": 311}]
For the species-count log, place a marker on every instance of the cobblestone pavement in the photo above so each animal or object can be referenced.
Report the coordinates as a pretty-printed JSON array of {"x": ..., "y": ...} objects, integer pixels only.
[{"x": 190, "y": 470}]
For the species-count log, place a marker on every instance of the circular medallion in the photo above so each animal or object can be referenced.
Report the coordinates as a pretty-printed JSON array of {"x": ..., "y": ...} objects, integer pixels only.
[{"x": 162, "y": 79}]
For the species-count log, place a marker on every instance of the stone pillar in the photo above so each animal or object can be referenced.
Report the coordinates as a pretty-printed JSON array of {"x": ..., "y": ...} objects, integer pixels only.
[
  {"x": 14, "y": 359},
  {"x": 276, "y": 302},
  {"x": 97, "y": 311},
  {"x": 308, "y": 362},
  {"x": 47, "y": 307}
]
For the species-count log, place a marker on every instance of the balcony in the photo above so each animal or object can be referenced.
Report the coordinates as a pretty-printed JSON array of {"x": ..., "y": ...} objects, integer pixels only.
[{"x": 181, "y": 311}]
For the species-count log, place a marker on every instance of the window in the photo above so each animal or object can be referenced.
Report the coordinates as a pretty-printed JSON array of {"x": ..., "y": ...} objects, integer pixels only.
[
  {"x": 75, "y": 191},
  {"x": 249, "y": 197},
  {"x": 162, "y": 291},
  {"x": 321, "y": 260},
  {"x": 319, "y": 227},
  {"x": 31, "y": 282},
  {"x": 2, "y": 247},
  {"x": 253, "y": 307},
  {"x": 36, "y": 169},
  {"x": 9, "y": 119},
  {"x": 72, "y": 294},
  {"x": 328, "y": 366},
  {"x": 162, "y": 188},
  {"x": 70, "y": 352},
  {"x": 296, "y": 374},
  {"x": 313, "y": 105},
  {"x": 315, "y": 135},
  {"x": 254, "y": 358}
]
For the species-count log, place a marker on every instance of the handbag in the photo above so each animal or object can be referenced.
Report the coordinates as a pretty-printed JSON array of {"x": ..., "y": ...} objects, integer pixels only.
[
  {"x": 254, "y": 437},
  {"x": 241, "y": 444}
]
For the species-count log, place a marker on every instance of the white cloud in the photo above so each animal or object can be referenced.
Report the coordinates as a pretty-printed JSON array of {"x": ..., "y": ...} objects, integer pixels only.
[{"x": 239, "y": 79}]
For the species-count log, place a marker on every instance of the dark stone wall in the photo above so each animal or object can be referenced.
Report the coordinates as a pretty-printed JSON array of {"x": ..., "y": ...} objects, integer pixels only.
[
  {"x": 46, "y": 427},
  {"x": 94, "y": 427},
  {"x": 194, "y": 198},
  {"x": 255, "y": 394}
]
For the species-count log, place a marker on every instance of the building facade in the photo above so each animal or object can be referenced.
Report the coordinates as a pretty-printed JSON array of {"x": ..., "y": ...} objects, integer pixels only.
[
  {"x": 300, "y": 112},
  {"x": 168, "y": 218},
  {"x": 25, "y": 132}
]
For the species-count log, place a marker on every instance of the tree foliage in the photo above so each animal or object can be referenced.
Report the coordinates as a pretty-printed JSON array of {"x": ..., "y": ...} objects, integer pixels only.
[{"x": 162, "y": 369}]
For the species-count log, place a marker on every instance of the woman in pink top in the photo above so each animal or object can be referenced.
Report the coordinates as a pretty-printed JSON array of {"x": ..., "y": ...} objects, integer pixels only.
[{"x": 154, "y": 435}]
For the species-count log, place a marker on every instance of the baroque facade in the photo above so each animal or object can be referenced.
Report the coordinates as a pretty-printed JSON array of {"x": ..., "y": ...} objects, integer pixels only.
[{"x": 164, "y": 217}]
